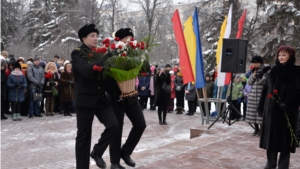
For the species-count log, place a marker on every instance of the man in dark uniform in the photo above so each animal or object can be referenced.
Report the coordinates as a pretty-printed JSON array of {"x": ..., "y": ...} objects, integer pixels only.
[
  {"x": 131, "y": 107},
  {"x": 90, "y": 100}
]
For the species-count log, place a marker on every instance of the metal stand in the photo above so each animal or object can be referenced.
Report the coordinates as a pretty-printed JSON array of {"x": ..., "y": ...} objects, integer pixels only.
[{"x": 229, "y": 109}]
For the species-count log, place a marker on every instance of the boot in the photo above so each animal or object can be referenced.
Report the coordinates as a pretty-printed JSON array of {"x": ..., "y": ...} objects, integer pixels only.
[
  {"x": 47, "y": 108},
  {"x": 19, "y": 117},
  {"x": 256, "y": 130},
  {"x": 164, "y": 118},
  {"x": 179, "y": 110},
  {"x": 51, "y": 108},
  {"x": 14, "y": 117}
]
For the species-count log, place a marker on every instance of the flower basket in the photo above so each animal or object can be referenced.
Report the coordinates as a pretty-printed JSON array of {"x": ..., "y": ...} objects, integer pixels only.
[{"x": 127, "y": 88}]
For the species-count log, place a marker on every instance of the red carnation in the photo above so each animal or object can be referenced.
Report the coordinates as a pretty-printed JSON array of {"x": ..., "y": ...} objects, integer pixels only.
[
  {"x": 131, "y": 44},
  {"x": 101, "y": 50},
  {"x": 95, "y": 67},
  {"x": 90, "y": 55},
  {"x": 117, "y": 39},
  {"x": 142, "y": 47},
  {"x": 106, "y": 45},
  {"x": 142, "y": 44},
  {"x": 131, "y": 39},
  {"x": 106, "y": 41},
  {"x": 124, "y": 54},
  {"x": 275, "y": 91},
  {"x": 133, "y": 47},
  {"x": 120, "y": 47},
  {"x": 270, "y": 96},
  {"x": 94, "y": 49},
  {"x": 113, "y": 46},
  {"x": 99, "y": 68},
  {"x": 138, "y": 45}
]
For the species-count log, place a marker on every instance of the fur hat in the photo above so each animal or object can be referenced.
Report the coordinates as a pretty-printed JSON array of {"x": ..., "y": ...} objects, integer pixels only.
[
  {"x": 168, "y": 65},
  {"x": 16, "y": 65},
  {"x": 20, "y": 59},
  {"x": 123, "y": 32},
  {"x": 29, "y": 63},
  {"x": 87, "y": 29},
  {"x": 257, "y": 59},
  {"x": 67, "y": 61}
]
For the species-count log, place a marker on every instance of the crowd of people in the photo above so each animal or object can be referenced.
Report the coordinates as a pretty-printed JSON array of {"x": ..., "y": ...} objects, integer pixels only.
[{"x": 270, "y": 98}]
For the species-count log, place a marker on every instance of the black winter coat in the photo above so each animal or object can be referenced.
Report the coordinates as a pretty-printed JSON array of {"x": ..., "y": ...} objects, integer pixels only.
[
  {"x": 162, "y": 98},
  {"x": 275, "y": 134},
  {"x": 3, "y": 82},
  {"x": 89, "y": 89}
]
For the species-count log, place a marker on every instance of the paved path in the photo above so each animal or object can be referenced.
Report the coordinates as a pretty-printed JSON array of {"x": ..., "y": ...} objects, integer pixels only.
[{"x": 48, "y": 143}]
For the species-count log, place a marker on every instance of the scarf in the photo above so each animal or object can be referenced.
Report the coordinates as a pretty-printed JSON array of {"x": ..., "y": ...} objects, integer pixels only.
[
  {"x": 151, "y": 86},
  {"x": 16, "y": 73}
]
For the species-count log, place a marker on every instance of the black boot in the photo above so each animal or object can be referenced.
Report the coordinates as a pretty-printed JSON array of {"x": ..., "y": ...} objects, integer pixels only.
[{"x": 256, "y": 130}]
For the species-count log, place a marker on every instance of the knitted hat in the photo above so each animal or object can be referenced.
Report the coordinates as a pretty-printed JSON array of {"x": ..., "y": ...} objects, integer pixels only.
[
  {"x": 24, "y": 66},
  {"x": 16, "y": 65},
  {"x": 168, "y": 65},
  {"x": 123, "y": 32},
  {"x": 87, "y": 29},
  {"x": 257, "y": 59},
  {"x": 36, "y": 58},
  {"x": 29, "y": 63},
  {"x": 67, "y": 61}
]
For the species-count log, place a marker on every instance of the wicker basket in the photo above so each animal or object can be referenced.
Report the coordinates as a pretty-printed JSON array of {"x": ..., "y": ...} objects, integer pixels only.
[{"x": 127, "y": 88}]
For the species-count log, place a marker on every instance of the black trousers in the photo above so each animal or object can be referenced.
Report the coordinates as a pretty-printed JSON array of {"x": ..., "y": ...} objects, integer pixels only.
[
  {"x": 15, "y": 107},
  {"x": 162, "y": 110},
  {"x": 180, "y": 98},
  {"x": 143, "y": 101},
  {"x": 192, "y": 106},
  {"x": 152, "y": 98},
  {"x": 67, "y": 107},
  {"x": 284, "y": 160},
  {"x": 85, "y": 119},
  {"x": 235, "y": 115},
  {"x": 298, "y": 130},
  {"x": 2, "y": 106},
  {"x": 136, "y": 116}
]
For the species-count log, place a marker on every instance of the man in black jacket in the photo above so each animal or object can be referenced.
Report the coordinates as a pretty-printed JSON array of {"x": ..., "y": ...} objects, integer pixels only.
[
  {"x": 131, "y": 107},
  {"x": 90, "y": 100}
]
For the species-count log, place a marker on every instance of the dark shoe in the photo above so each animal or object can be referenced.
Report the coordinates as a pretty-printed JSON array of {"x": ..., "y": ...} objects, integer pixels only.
[
  {"x": 268, "y": 167},
  {"x": 3, "y": 118},
  {"x": 30, "y": 116},
  {"x": 38, "y": 115},
  {"x": 99, "y": 161},
  {"x": 258, "y": 133},
  {"x": 128, "y": 160},
  {"x": 69, "y": 114},
  {"x": 255, "y": 132},
  {"x": 116, "y": 166},
  {"x": 188, "y": 114},
  {"x": 160, "y": 122},
  {"x": 165, "y": 123}
]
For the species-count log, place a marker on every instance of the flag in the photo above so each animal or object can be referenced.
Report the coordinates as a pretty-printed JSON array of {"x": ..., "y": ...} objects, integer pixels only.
[
  {"x": 200, "y": 78},
  {"x": 224, "y": 78},
  {"x": 185, "y": 65},
  {"x": 241, "y": 25},
  {"x": 219, "y": 47}
]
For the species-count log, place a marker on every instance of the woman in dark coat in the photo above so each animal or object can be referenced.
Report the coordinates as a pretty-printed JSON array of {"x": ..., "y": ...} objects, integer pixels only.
[
  {"x": 284, "y": 78},
  {"x": 162, "y": 99},
  {"x": 67, "y": 89},
  {"x": 143, "y": 89},
  {"x": 3, "y": 88}
]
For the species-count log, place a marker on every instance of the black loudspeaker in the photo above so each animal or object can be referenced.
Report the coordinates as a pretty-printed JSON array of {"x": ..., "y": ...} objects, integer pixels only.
[{"x": 234, "y": 54}]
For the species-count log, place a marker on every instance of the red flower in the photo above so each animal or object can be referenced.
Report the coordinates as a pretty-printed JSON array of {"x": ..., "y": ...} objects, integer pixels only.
[
  {"x": 131, "y": 39},
  {"x": 101, "y": 50},
  {"x": 93, "y": 49},
  {"x": 106, "y": 41},
  {"x": 142, "y": 47},
  {"x": 95, "y": 67},
  {"x": 131, "y": 44},
  {"x": 106, "y": 45},
  {"x": 142, "y": 44},
  {"x": 113, "y": 46},
  {"x": 270, "y": 96},
  {"x": 117, "y": 39},
  {"x": 48, "y": 76},
  {"x": 133, "y": 47},
  {"x": 99, "y": 68},
  {"x": 124, "y": 54},
  {"x": 90, "y": 55},
  {"x": 120, "y": 47},
  {"x": 275, "y": 91},
  {"x": 138, "y": 45}
]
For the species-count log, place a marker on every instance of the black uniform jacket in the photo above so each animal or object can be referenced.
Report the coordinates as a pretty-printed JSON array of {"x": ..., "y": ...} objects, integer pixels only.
[{"x": 89, "y": 89}]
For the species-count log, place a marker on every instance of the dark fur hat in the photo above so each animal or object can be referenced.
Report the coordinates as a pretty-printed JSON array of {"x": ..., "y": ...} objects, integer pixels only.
[
  {"x": 16, "y": 65},
  {"x": 87, "y": 29},
  {"x": 123, "y": 32}
]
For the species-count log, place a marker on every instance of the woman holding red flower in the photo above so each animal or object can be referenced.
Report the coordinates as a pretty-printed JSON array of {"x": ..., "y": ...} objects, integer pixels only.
[
  {"x": 279, "y": 106},
  {"x": 50, "y": 91}
]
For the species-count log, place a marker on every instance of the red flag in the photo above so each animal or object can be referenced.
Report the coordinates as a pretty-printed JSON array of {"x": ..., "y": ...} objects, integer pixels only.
[
  {"x": 238, "y": 36},
  {"x": 241, "y": 25},
  {"x": 185, "y": 65}
]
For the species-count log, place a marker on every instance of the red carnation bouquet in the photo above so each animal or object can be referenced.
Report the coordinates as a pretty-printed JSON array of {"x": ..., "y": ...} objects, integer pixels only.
[
  {"x": 49, "y": 76},
  {"x": 293, "y": 136}
]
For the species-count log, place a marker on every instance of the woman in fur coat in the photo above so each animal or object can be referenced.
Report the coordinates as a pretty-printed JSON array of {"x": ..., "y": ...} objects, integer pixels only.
[
  {"x": 67, "y": 89},
  {"x": 276, "y": 136},
  {"x": 48, "y": 87}
]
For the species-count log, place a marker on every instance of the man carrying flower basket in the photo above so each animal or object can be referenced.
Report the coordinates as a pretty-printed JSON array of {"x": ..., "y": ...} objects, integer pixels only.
[
  {"x": 90, "y": 99},
  {"x": 122, "y": 69},
  {"x": 279, "y": 106}
]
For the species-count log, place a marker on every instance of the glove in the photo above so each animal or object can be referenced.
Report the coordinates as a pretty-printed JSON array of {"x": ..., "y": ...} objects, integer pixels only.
[
  {"x": 17, "y": 85},
  {"x": 259, "y": 75},
  {"x": 71, "y": 82},
  {"x": 239, "y": 100},
  {"x": 260, "y": 113},
  {"x": 52, "y": 83},
  {"x": 283, "y": 107},
  {"x": 178, "y": 88}
]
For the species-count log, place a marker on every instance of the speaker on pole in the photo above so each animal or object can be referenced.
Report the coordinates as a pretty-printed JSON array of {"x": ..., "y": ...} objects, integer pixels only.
[{"x": 234, "y": 54}]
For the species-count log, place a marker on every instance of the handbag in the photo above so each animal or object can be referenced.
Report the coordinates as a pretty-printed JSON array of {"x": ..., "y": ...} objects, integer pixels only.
[
  {"x": 37, "y": 97},
  {"x": 166, "y": 87}
]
